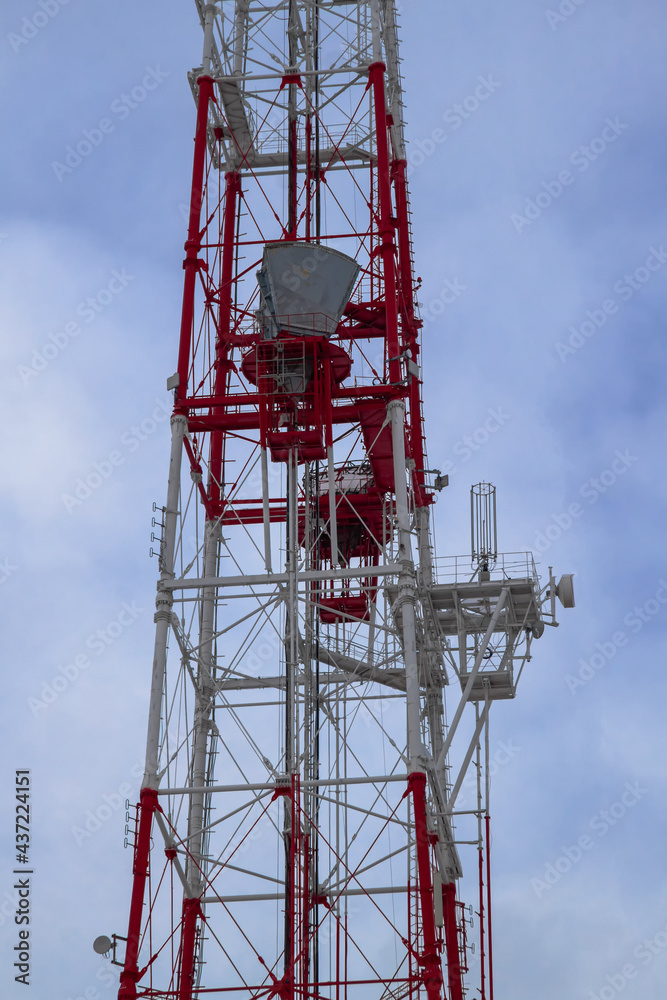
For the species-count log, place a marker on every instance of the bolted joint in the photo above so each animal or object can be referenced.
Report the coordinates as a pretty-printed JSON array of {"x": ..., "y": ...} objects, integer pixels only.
[
  {"x": 192, "y": 904},
  {"x": 407, "y": 594},
  {"x": 148, "y": 798},
  {"x": 178, "y": 418},
  {"x": 415, "y": 779},
  {"x": 195, "y": 262},
  {"x": 128, "y": 984},
  {"x": 162, "y": 614},
  {"x": 283, "y": 787}
]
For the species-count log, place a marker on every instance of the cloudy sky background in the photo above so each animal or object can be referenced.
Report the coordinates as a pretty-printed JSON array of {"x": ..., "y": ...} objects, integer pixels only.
[{"x": 524, "y": 287}]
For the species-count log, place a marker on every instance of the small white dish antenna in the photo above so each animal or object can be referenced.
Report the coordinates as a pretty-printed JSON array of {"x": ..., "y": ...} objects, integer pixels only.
[
  {"x": 102, "y": 945},
  {"x": 565, "y": 590}
]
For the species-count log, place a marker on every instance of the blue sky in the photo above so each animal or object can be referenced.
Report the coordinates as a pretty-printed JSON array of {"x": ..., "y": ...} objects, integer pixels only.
[{"x": 569, "y": 130}]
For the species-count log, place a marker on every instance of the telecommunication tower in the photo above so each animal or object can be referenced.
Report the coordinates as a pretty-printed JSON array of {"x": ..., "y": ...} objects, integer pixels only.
[{"x": 296, "y": 834}]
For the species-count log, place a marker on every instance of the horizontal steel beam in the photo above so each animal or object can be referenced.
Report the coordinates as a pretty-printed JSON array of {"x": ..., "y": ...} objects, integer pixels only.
[
  {"x": 377, "y": 890},
  {"x": 377, "y": 779},
  {"x": 258, "y": 579},
  {"x": 279, "y": 74}
]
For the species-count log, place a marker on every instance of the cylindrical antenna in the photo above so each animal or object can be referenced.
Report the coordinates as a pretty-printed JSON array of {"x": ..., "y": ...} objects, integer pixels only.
[{"x": 483, "y": 530}]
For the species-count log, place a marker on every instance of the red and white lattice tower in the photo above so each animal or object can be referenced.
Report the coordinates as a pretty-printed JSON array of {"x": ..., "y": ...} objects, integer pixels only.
[{"x": 295, "y": 835}]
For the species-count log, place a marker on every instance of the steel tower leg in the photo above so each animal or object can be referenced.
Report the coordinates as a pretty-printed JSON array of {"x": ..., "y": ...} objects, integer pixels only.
[
  {"x": 191, "y": 913},
  {"x": 406, "y": 587},
  {"x": 432, "y": 976},
  {"x": 386, "y": 226},
  {"x": 452, "y": 944},
  {"x": 191, "y": 263},
  {"x": 130, "y": 973},
  {"x": 148, "y": 799},
  {"x": 196, "y": 864},
  {"x": 292, "y": 818}
]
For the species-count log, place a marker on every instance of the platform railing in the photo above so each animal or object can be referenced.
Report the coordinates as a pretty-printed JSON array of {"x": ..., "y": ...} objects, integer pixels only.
[{"x": 507, "y": 566}]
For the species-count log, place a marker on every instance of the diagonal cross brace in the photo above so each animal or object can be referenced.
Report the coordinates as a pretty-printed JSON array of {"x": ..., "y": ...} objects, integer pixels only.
[{"x": 442, "y": 757}]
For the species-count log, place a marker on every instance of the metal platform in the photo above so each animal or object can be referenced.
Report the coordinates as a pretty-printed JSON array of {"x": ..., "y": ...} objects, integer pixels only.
[
  {"x": 491, "y": 685},
  {"x": 465, "y": 603}
]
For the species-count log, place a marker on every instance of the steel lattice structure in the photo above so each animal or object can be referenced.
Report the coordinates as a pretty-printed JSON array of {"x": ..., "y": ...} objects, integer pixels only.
[{"x": 295, "y": 834}]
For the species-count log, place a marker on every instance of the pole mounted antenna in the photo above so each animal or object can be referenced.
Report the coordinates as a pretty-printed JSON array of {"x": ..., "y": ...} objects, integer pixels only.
[{"x": 483, "y": 527}]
